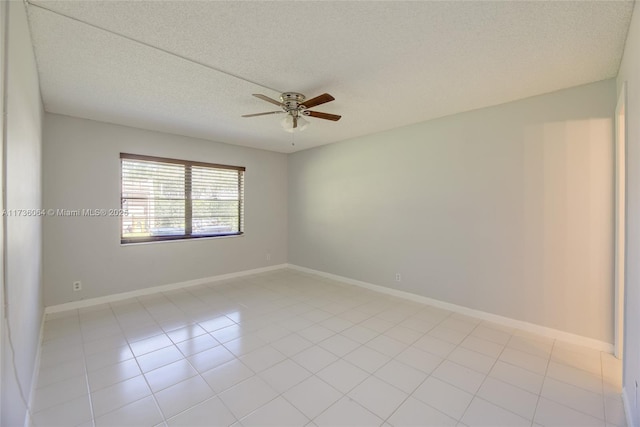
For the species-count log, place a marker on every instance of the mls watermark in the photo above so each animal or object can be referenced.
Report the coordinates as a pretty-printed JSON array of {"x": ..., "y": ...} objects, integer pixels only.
[{"x": 65, "y": 212}]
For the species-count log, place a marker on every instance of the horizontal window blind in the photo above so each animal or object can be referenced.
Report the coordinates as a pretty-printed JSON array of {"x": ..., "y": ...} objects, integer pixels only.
[{"x": 167, "y": 199}]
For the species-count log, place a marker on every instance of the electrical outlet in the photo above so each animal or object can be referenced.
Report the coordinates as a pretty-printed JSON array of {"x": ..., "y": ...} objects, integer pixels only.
[
  {"x": 77, "y": 286},
  {"x": 268, "y": 256},
  {"x": 398, "y": 277}
]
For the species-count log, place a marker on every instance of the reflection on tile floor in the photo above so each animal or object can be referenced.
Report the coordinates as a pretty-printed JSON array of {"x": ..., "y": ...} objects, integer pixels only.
[{"x": 288, "y": 348}]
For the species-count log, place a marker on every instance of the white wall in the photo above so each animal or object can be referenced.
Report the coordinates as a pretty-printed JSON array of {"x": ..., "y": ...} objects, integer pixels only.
[
  {"x": 630, "y": 72},
  {"x": 24, "y": 234},
  {"x": 82, "y": 170},
  {"x": 507, "y": 210}
]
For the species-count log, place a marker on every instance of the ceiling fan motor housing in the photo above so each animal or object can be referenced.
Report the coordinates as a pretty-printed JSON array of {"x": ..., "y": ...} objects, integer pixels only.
[{"x": 292, "y": 102}]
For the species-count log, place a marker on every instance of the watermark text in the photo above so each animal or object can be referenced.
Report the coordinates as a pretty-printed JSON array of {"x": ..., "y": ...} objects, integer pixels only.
[{"x": 65, "y": 212}]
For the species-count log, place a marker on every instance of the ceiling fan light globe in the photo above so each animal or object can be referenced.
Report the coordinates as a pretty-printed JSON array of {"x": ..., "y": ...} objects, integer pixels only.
[
  {"x": 287, "y": 124},
  {"x": 302, "y": 124}
]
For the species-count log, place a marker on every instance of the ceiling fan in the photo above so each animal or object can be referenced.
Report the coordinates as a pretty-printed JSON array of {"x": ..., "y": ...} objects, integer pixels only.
[{"x": 296, "y": 106}]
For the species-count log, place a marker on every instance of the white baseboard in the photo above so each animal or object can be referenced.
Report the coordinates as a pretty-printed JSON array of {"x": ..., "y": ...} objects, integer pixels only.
[
  {"x": 626, "y": 402},
  {"x": 506, "y": 321},
  {"x": 155, "y": 289}
]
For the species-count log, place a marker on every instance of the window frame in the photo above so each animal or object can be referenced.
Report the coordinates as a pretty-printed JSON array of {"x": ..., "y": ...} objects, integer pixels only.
[{"x": 188, "y": 217}]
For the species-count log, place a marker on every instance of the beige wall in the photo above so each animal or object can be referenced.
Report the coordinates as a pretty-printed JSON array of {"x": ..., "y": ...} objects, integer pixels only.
[
  {"x": 24, "y": 234},
  {"x": 507, "y": 210},
  {"x": 630, "y": 72},
  {"x": 82, "y": 170}
]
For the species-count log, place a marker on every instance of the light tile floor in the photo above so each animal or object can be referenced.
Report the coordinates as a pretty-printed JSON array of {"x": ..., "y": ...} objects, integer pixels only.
[{"x": 288, "y": 348}]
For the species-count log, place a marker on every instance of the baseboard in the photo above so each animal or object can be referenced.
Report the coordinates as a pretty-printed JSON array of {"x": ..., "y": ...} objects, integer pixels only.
[
  {"x": 627, "y": 407},
  {"x": 155, "y": 289},
  {"x": 506, "y": 321}
]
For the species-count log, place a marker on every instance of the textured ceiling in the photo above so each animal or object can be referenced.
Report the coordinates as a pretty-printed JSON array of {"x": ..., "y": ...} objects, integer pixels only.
[{"x": 388, "y": 64}]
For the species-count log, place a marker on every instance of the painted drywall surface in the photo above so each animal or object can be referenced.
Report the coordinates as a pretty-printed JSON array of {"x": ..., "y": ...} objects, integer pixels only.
[
  {"x": 82, "y": 170},
  {"x": 24, "y": 234},
  {"x": 507, "y": 210},
  {"x": 630, "y": 72}
]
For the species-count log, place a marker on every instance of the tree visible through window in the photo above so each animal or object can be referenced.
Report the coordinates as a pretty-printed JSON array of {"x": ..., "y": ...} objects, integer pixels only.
[{"x": 168, "y": 199}]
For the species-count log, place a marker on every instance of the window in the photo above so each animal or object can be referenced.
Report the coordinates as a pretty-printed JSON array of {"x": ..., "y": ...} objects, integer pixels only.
[{"x": 168, "y": 199}]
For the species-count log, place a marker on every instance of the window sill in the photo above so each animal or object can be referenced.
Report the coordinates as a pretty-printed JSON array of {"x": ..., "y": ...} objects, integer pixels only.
[{"x": 193, "y": 239}]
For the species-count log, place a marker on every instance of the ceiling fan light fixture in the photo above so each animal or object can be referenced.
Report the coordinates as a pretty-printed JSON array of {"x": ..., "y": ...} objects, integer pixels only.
[
  {"x": 296, "y": 107},
  {"x": 287, "y": 124}
]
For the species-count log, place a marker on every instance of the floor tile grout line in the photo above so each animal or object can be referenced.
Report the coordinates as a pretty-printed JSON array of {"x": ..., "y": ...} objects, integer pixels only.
[
  {"x": 135, "y": 357},
  {"x": 383, "y": 307},
  {"x": 546, "y": 371},
  {"x": 335, "y": 333},
  {"x": 370, "y": 374},
  {"x": 86, "y": 370},
  {"x": 237, "y": 357},
  {"x": 84, "y": 374},
  {"x": 215, "y": 394},
  {"x": 544, "y": 376},
  {"x": 186, "y": 359},
  {"x": 278, "y": 393},
  {"x": 31, "y": 415},
  {"x": 549, "y": 357},
  {"x": 314, "y": 374},
  {"x": 484, "y": 379},
  {"x": 567, "y": 406},
  {"x": 487, "y": 375},
  {"x": 431, "y": 375}
]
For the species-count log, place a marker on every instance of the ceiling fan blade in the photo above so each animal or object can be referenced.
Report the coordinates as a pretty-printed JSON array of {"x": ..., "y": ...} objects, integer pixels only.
[
  {"x": 263, "y": 114},
  {"x": 321, "y": 99},
  {"x": 326, "y": 116},
  {"x": 266, "y": 98}
]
